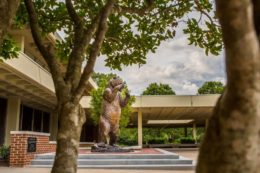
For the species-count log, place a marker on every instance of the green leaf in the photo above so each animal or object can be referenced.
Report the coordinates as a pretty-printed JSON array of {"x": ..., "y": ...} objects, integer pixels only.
[{"x": 9, "y": 48}]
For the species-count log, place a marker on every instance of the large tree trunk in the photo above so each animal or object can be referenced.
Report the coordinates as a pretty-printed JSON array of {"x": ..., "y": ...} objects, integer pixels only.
[
  {"x": 8, "y": 10},
  {"x": 232, "y": 141},
  {"x": 72, "y": 117}
]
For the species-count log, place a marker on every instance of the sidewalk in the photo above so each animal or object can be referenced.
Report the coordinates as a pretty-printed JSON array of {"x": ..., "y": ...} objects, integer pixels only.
[{"x": 47, "y": 170}]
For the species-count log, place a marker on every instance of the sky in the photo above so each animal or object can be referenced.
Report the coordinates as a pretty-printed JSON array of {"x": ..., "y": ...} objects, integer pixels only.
[{"x": 184, "y": 67}]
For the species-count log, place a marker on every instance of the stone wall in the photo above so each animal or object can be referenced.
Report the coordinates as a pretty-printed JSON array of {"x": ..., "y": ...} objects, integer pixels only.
[{"x": 19, "y": 156}]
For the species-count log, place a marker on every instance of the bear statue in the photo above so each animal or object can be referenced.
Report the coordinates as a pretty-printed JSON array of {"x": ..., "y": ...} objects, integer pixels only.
[{"x": 111, "y": 111}]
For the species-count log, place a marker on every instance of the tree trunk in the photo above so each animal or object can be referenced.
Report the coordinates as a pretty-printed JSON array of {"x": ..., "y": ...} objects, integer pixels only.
[
  {"x": 71, "y": 118},
  {"x": 8, "y": 10},
  {"x": 232, "y": 140}
]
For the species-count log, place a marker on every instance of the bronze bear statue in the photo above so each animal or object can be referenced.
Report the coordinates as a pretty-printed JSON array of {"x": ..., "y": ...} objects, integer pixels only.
[{"x": 111, "y": 111}]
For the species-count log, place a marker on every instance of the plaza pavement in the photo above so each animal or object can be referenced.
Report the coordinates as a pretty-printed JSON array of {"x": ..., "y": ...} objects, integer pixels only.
[
  {"x": 47, "y": 170},
  {"x": 192, "y": 154}
]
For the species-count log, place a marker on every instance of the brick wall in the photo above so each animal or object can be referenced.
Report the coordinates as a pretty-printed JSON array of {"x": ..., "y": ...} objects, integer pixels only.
[{"x": 19, "y": 156}]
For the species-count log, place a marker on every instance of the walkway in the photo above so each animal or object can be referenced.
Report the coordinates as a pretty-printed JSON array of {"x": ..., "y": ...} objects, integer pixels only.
[{"x": 45, "y": 170}]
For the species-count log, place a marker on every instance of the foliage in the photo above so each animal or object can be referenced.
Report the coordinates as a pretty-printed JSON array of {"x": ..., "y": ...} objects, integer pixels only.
[
  {"x": 128, "y": 136},
  {"x": 158, "y": 89},
  {"x": 135, "y": 27},
  {"x": 4, "y": 152},
  {"x": 9, "y": 49},
  {"x": 157, "y": 135},
  {"x": 169, "y": 135},
  {"x": 187, "y": 140},
  {"x": 97, "y": 96},
  {"x": 211, "y": 87},
  {"x": 200, "y": 134},
  {"x": 21, "y": 18},
  {"x": 207, "y": 35}
]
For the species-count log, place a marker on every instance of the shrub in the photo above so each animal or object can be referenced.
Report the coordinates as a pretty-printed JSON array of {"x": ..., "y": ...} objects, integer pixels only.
[
  {"x": 4, "y": 152},
  {"x": 157, "y": 141},
  {"x": 126, "y": 141},
  {"x": 187, "y": 140}
]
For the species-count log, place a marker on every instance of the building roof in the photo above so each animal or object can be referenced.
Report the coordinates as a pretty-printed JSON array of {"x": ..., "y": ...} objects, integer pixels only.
[{"x": 191, "y": 108}]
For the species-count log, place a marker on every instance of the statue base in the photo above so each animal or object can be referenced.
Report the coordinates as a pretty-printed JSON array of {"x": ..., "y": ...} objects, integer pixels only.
[{"x": 104, "y": 148}]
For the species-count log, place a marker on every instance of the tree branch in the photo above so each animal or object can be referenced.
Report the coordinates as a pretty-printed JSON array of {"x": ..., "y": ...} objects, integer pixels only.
[
  {"x": 76, "y": 58},
  {"x": 139, "y": 11},
  {"x": 49, "y": 57},
  {"x": 203, "y": 12},
  {"x": 100, "y": 35},
  {"x": 73, "y": 14}
]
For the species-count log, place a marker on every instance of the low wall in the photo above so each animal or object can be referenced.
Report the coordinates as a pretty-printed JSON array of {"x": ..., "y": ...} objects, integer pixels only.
[{"x": 19, "y": 154}]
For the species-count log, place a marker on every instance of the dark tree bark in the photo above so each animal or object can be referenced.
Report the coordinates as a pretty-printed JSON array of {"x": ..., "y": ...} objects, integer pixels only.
[
  {"x": 232, "y": 141},
  {"x": 8, "y": 10}
]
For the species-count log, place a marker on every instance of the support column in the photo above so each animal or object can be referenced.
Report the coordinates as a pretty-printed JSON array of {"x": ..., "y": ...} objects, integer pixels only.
[
  {"x": 12, "y": 118},
  {"x": 140, "y": 128},
  {"x": 206, "y": 124},
  {"x": 54, "y": 126},
  {"x": 185, "y": 132},
  {"x": 194, "y": 131}
]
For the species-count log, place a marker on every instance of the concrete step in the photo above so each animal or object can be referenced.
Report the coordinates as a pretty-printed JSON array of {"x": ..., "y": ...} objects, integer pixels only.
[
  {"x": 134, "y": 167},
  {"x": 115, "y": 156},
  {"x": 119, "y": 161},
  {"x": 166, "y": 160}
]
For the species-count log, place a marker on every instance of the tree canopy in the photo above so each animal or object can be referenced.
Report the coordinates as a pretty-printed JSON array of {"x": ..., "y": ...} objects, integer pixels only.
[
  {"x": 8, "y": 48},
  {"x": 134, "y": 27},
  {"x": 158, "y": 89},
  {"x": 211, "y": 87}
]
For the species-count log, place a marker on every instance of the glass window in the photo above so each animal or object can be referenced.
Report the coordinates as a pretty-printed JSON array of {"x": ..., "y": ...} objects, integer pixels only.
[
  {"x": 3, "y": 105},
  {"x": 34, "y": 120},
  {"x": 46, "y": 122},
  {"x": 27, "y": 118},
  {"x": 37, "y": 124}
]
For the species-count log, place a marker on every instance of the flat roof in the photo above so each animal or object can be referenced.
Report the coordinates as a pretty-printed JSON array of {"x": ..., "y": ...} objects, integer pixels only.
[{"x": 197, "y": 108}]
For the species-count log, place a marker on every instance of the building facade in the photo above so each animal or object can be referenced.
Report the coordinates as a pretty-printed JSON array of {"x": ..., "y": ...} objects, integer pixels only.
[{"x": 27, "y": 94}]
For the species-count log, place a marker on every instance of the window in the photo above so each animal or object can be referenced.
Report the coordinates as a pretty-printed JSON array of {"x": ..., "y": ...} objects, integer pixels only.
[
  {"x": 27, "y": 118},
  {"x": 3, "y": 105},
  {"x": 46, "y": 122},
  {"x": 34, "y": 120},
  {"x": 37, "y": 125}
]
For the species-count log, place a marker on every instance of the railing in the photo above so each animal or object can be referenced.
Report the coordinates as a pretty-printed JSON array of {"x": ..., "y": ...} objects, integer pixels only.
[{"x": 25, "y": 65}]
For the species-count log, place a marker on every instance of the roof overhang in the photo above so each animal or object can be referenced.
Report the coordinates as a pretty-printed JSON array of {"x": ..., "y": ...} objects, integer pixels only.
[{"x": 168, "y": 108}]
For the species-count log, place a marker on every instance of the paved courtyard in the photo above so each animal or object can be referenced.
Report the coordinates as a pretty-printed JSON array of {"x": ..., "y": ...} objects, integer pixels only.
[{"x": 45, "y": 170}]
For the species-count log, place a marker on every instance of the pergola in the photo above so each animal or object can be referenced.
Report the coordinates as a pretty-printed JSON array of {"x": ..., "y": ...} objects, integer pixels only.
[{"x": 170, "y": 110}]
